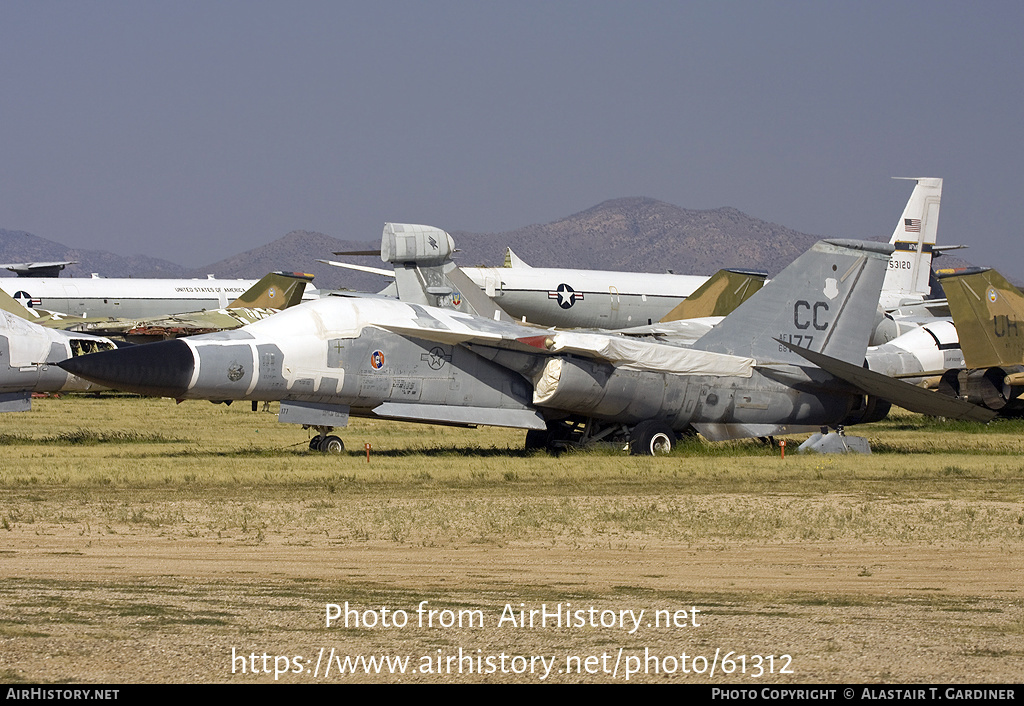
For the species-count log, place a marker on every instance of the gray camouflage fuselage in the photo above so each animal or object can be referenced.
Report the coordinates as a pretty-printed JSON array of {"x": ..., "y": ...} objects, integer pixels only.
[{"x": 328, "y": 352}]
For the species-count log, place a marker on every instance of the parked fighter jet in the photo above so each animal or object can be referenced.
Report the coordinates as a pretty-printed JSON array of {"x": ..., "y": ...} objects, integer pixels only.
[
  {"x": 568, "y": 298},
  {"x": 426, "y": 275},
  {"x": 28, "y": 357},
  {"x": 378, "y": 357},
  {"x": 989, "y": 315},
  {"x": 276, "y": 291}
]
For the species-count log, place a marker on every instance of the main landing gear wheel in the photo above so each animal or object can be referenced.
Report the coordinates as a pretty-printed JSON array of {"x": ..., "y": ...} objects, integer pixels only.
[
  {"x": 327, "y": 444},
  {"x": 332, "y": 445},
  {"x": 651, "y": 439},
  {"x": 536, "y": 439}
]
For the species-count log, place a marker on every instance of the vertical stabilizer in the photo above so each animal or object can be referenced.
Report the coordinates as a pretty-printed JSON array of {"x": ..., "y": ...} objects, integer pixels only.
[
  {"x": 719, "y": 296},
  {"x": 914, "y": 238},
  {"x": 425, "y": 273},
  {"x": 513, "y": 260},
  {"x": 275, "y": 291},
  {"x": 989, "y": 315},
  {"x": 824, "y": 301}
]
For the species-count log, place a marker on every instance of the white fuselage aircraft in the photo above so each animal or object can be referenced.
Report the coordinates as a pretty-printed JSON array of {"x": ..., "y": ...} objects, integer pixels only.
[
  {"x": 583, "y": 298},
  {"x": 126, "y": 297},
  {"x": 28, "y": 357},
  {"x": 376, "y": 357}
]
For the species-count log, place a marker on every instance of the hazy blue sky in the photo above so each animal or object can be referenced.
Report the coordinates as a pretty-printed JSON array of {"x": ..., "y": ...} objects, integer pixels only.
[{"x": 194, "y": 130}]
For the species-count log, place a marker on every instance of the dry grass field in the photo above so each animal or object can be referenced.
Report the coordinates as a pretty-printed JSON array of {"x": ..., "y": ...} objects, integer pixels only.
[{"x": 143, "y": 541}]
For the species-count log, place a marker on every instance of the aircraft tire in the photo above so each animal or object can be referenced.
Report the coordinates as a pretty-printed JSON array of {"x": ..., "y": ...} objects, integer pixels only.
[
  {"x": 314, "y": 443},
  {"x": 537, "y": 439},
  {"x": 332, "y": 445},
  {"x": 651, "y": 438}
]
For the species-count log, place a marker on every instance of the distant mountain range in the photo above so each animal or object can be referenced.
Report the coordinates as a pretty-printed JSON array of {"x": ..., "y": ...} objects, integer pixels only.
[{"x": 634, "y": 234}]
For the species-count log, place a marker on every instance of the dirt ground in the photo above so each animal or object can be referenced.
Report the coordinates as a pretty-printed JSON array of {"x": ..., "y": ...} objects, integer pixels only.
[{"x": 149, "y": 599}]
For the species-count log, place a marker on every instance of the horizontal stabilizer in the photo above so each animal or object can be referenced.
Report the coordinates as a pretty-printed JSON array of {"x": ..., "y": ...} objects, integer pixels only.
[
  {"x": 900, "y": 393},
  {"x": 360, "y": 268},
  {"x": 38, "y": 269}
]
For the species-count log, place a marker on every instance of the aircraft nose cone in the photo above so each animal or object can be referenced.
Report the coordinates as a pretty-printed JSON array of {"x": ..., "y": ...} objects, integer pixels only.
[{"x": 161, "y": 369}]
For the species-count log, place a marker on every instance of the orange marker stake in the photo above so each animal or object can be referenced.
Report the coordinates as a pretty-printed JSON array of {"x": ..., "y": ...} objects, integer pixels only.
[
  {"x": 782, "y": 445},
  {"x": 367, "y": 447}
]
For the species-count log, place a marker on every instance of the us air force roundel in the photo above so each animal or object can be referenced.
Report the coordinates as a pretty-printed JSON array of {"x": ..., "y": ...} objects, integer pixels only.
[{"x": 565, "y": 295}]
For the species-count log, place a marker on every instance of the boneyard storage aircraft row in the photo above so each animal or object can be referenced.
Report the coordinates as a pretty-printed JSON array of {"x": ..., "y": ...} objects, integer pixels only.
[
  {"x": 29, "y": 351},
  {"x": 569, "y": 298},
  {"x": 378, "y": 357},
  {"x": 271, "y": 294},
  {"x": 546, "y": 296},
  {"x": 561, "y": 385}
]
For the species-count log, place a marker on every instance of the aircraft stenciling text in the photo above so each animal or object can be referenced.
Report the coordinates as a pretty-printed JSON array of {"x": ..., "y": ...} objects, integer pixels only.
[
  {"x": 1005, "y": 326},
  {"x": 796, "y": 339},
  {"x": 806, "y": 315}
]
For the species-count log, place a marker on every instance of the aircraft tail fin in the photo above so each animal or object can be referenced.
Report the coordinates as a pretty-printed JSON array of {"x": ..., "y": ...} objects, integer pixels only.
[
  {"x": 914, "y": 240},
  {"x": 719, "y": 296},
  {"x": 825, "y": 300},
  {"x": 513, "y": 260},
  {"x": 425, "y": 273},
  {"x": 989, "y": 315},
  {"x": 278, "y": 290}
]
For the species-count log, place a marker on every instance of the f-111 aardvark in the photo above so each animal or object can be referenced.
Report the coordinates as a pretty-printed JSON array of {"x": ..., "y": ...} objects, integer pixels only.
[
  {"x": 29, "y": 354},
  {"x": 989, "y": 314},
  {"x": 377, "y": 357}
]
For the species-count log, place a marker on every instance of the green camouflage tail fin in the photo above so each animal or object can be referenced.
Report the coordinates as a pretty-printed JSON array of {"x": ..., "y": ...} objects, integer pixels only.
[
  {"x": 989, "y": 315},
  {"x": 278, "y": 290},
  {"x": 722, "y": 293}
]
